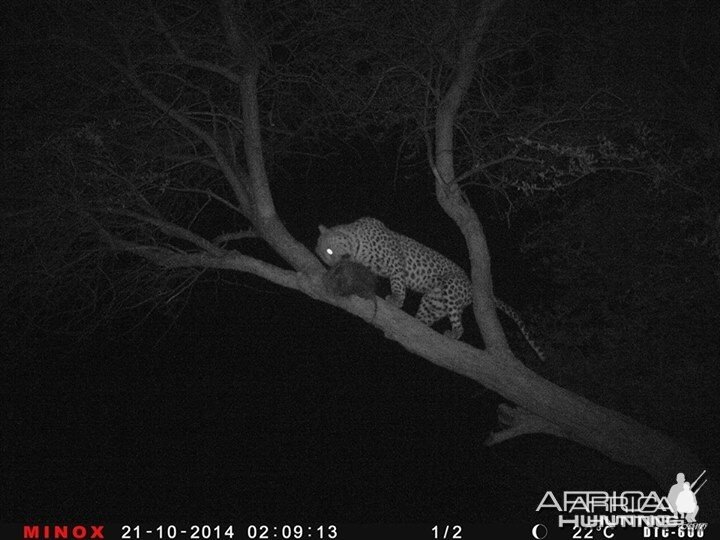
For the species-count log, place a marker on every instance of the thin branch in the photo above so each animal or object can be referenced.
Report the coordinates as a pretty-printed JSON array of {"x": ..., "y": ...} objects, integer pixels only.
[
  {"x": 225, "y": 260},
  {"x": 482, "y": 166},
  {"x": 170, "y": 229},
  {"x": 240, "y": 235},
  {"x": 211, "y": 194},
  {"x": 182, "y": 160},
  {"x": 517, "y": 421},
  {"x": 225, "y": 166},
  {"x": 185, "y": 59}
]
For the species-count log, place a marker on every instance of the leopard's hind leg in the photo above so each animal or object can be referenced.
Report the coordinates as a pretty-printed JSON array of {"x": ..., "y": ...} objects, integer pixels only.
[{"x": 440, "y": 301}]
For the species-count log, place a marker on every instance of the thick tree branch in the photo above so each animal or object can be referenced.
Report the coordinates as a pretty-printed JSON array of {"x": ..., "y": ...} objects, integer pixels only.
[
  {"x": 448, "y": 191},
  {"x": 265, "y": 216},
  {"x": 556, "y": 410}
]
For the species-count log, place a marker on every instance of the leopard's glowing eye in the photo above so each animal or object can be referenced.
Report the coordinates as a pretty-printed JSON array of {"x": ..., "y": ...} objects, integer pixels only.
[{"x": 329, "y": 251}]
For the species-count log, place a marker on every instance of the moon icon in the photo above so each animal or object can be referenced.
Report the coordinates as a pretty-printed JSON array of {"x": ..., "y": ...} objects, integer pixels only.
[{"x": 539, "y": 531}]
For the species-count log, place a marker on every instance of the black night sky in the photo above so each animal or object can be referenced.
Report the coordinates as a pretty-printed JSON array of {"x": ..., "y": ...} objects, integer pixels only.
[{"x": 133, "y": 393}]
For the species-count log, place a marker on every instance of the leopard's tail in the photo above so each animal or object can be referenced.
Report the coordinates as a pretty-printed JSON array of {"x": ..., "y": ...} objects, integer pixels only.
[{"x": 510, "y": 312}]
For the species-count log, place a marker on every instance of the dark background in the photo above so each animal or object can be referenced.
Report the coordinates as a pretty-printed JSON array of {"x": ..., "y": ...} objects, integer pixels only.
[{"x": 245, "y": 401}]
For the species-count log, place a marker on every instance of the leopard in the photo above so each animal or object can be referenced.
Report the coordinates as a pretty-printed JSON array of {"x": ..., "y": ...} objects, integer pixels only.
[{"x": 445, "y": 287}]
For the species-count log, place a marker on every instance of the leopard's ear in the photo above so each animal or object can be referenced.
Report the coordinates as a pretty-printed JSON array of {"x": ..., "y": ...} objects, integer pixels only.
[{"x": 323, "y": 229}]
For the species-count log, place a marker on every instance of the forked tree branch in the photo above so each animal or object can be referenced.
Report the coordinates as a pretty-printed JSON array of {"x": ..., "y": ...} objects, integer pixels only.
[{"x": 448, "y": 192}]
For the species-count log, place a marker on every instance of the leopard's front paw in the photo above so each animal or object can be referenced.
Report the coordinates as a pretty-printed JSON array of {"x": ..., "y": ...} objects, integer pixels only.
[{"x": 454, "y": 333}]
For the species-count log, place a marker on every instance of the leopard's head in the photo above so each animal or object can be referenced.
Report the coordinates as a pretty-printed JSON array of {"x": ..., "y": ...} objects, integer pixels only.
[{"x": 334, "y": 245}]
